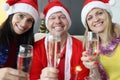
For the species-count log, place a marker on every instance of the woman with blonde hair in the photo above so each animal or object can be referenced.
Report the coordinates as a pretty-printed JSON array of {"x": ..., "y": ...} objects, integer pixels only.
[{"x": 96, "y": 16}]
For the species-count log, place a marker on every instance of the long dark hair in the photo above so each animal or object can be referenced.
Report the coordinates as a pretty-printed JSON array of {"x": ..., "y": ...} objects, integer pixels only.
[{"x": 7, "y": 34}]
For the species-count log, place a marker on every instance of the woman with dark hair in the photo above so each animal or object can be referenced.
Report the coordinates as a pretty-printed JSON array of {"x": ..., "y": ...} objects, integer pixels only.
[
  {"x": 9, "y": 38},
  {"x": 17, "y": 29}
]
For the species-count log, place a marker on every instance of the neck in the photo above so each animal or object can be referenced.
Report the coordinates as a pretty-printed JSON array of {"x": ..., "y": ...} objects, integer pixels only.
[{"x": 103, "y": 39}]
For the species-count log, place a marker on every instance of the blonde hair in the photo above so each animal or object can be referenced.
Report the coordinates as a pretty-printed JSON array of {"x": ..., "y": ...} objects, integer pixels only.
[{"x": 112, "y": 30}]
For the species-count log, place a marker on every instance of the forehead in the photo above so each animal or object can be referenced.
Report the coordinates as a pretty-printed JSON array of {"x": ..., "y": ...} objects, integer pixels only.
[
  {"x": 25, "y": 14},
  {"x": 57, "y": 13},
  {"x": 95, "y": 10}
]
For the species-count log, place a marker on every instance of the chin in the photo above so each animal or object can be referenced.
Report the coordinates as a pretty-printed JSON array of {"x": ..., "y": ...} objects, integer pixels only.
[{"x": 19, "y": 33}]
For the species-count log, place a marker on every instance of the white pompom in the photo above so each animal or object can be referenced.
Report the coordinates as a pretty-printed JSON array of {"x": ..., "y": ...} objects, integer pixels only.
[
  {"x": 5, "y": 6},
  {"x": 112, "y": 2}
]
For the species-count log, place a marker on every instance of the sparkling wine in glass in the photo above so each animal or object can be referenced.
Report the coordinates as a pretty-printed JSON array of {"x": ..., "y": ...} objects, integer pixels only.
[
  {"x": 53, "y": 50},
  {"x": 25, "y": 57},
  {"x": 57, "y": 49},
  {"x": 92, "y": 43},
  {"x": 50, "y": 51},
  {"x": 92, "y": 48}
]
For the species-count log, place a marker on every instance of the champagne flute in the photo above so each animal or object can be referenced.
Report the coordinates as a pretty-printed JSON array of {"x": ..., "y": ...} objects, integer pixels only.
[
  {"x": 92, "y": 48},
  {"x": 50, "y": 51},
  {"x": 57, "y": 41},
  {"x": 92, "y": 43},
  {"x": 53, "y": 50},
  {"x": 25, "y": 57}
]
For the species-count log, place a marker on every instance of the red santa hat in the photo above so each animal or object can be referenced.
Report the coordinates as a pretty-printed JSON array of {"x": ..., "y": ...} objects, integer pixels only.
[
  {"x": 90, "y": 4},
  {"x": 53, "y": 7},
  {"x": 28, "y": 6}
]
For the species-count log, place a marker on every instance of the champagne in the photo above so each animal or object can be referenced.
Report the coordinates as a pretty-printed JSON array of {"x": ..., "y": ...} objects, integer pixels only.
[
  {"x": 53, "y": 50},
  {"x": 92, "y": 47},
  {"x": 24, "y": 62},
  {"x": 92, "y": 43},
  {"x": 57, "y": 53},
  {"x": 50, "y": 53},
  {"x": 25, "y": 57}
]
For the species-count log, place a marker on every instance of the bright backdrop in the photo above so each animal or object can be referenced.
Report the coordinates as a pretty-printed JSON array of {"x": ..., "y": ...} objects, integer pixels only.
[{"x": 2, "y": 12}]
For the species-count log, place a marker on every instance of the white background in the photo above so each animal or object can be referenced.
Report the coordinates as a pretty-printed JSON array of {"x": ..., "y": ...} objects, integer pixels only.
[{"x": 116, "y": 11}]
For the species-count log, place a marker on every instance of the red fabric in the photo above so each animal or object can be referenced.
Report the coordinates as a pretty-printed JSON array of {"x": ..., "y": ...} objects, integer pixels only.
[
  {"x": 61, "y": 65},
  {"x": 88, "y": 1},
  {"x": 53, "y": 4},
  {"x": 32, "y": 3},
  {"x": 40, "y": 60}
]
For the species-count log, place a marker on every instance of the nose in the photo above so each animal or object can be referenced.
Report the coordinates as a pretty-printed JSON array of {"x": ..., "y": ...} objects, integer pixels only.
[
  {"x": 96, "y": 18},
  {"x": 23, "y": 22},
  {"x": 58, "y": 20}
]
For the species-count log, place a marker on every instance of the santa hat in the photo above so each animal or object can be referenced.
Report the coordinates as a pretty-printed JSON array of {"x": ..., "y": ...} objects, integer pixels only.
[
  {"x": 53, "y": 7},
  {"x": 28, "y": 6},
  {"x": 90, "y": 4}
]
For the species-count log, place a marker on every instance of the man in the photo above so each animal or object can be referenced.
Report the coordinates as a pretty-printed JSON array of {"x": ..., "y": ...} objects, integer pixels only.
[{"x": 58, "y": 22}]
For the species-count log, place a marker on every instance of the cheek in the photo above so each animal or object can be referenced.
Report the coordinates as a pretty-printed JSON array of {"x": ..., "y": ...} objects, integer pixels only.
[
  {"x": 14, "y": 19},
  {"x": 13, "y": 23},
  {"x": 89, "y": 23},
  {"x": 29, "y": 27},
  {"x": 49, "y": 25},
  {"x": 66, "y": 23}
]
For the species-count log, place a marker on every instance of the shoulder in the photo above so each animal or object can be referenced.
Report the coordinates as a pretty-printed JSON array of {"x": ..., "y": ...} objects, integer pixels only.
[
  {"x": 76, "y": 41},
  {"x": 39, "y": 47},
  {"x": 77, "y": 44},
  {"x": 39, "y": 43}
]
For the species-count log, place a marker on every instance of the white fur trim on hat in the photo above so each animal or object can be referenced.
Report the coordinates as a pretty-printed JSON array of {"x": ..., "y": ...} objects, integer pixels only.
[
  {"x": 5, "y": 6},
  {"x": 22, "y": 7},
  {"x": 94, "y": 4},
  {"x": 57, "y": 9}
]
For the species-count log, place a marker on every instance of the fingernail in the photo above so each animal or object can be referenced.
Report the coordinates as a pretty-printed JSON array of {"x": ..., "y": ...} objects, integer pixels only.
[
  {"x": 86, "y": 52},
  {"x": 96, "y": 62},
  {"x": 94, "y": 54},
  {"x": 90, "y": 58}
]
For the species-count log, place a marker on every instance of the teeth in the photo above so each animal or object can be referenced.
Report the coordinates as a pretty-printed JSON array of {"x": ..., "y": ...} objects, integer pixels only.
[
  {"x": 58, "y": 28},
  {"x": 21, "y": 28},
  {"x": 99, "y": 24}
]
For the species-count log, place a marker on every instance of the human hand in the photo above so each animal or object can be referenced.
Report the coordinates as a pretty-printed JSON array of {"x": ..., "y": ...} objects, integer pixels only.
[
  {"x": 10, "y": 74},
  {"x": 49, "y": 73},
  {"x": 89, "y": 61}
]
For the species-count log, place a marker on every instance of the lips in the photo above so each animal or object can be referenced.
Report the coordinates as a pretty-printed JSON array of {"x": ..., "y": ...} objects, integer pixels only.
[
  {"x": 58, "y": 28},
  {"x": 20, "y": 28},
  {"x": 98, "y": 24}
]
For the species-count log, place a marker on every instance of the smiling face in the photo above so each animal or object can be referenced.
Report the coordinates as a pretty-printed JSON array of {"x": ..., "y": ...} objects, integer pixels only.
[
  {"x": 22, "y": 22},
  {"x": 97, "y": 20},
  {"x": 58, "y": 24}
]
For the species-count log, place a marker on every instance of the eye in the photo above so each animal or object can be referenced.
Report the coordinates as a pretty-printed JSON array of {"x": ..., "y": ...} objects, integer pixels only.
[
  {"x": 30, "y": 20},
  {"x": 89, "y": 18},
  {"x": 99, "y": 13},
  {"x": 51, "y": 18},
  {"x": 21, "y": 16},
  {"x": 63, "y": 17}
]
